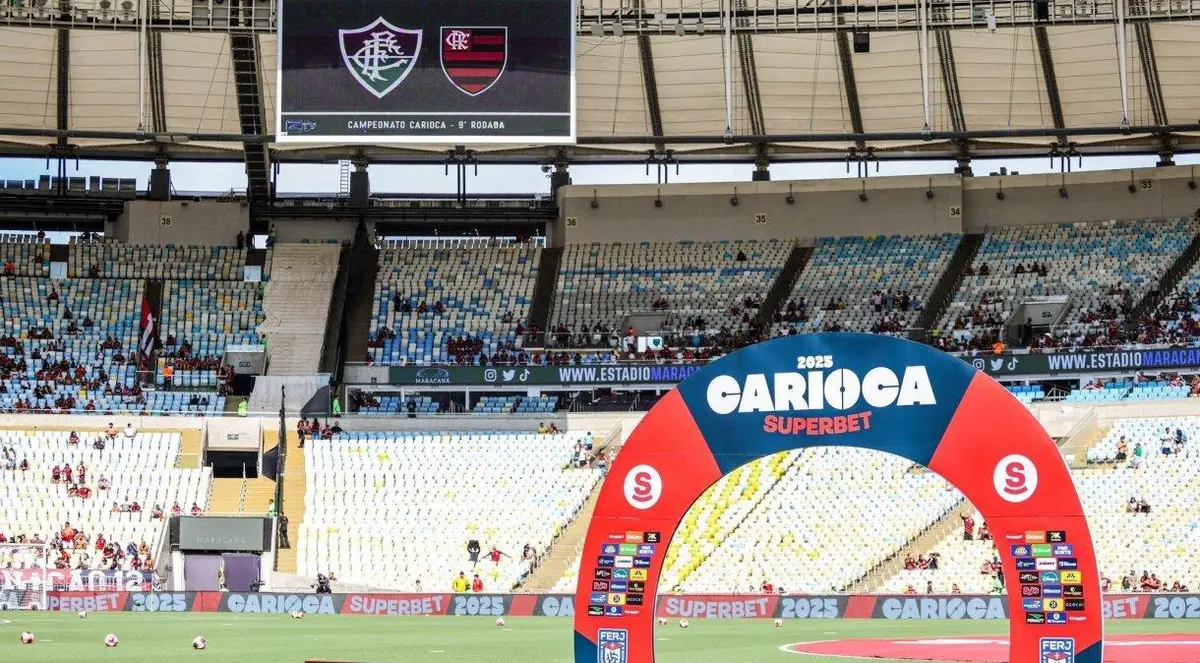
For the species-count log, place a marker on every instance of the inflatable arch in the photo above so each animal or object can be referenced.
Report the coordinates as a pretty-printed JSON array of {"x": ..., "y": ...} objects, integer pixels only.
[{"x": 855, "y": 390}]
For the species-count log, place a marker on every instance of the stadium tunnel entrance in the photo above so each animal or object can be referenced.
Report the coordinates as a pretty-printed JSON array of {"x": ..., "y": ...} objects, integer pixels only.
[{"x": 841, "y": 390}]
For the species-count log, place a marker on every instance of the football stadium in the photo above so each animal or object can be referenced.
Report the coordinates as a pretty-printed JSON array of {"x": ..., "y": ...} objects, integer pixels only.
[{"x": 754, "y": 330}]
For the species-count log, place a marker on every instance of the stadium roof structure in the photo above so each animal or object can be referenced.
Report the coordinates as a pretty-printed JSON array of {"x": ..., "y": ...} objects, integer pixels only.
[{"x": 804, "y": 80}]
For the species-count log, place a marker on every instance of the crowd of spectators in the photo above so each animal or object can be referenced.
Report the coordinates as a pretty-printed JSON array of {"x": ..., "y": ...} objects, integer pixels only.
[{"x": 73, "y": 548}]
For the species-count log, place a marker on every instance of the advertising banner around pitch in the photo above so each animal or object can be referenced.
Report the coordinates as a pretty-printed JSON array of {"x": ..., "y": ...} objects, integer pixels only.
[
  {"x": 856, "y": 390},
  {"x": 672, "y": 606},
  {"x": 541, "y": 376},
  {"x": 1076, "y": 362},
  {"x": 402, "y": 71}
]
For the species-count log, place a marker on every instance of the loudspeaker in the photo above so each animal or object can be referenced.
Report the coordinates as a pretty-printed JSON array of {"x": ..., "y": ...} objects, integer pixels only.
[
  {"x": 1041, "y": 10},
  {"x": 862, "y": 42},
  {"x": 360, "y": 188},
  {"x": 760, "y": 176},
  {"x": 160, "y": 184}
]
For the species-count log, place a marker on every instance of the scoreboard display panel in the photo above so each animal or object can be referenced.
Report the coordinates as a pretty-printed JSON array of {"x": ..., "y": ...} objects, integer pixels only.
[{"x": 403, "y": 71}]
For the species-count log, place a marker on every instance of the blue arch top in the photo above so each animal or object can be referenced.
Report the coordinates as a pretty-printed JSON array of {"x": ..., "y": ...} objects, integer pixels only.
[{"x": 860, "y": 390}]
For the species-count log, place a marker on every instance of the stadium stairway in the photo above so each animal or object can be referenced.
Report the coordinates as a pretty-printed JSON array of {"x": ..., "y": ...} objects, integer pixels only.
[
  {"x": 358, "y": 312},
  {"x": 544, "y": 290},
  {"x": 296, "y": 303},
  {"x": 921, "y": 544},
  {"x": 565, "y": 550},
  {"x": 191, "y": 445},
  {"x": 778, "y": 294},
  {"x": 1170, "y": 279},
  {"x": 294, "y": 488},
  {"x": 947, "y": 286},
  {"x": 228, "y": 496},
  {"x": 1085, "y": 435}
]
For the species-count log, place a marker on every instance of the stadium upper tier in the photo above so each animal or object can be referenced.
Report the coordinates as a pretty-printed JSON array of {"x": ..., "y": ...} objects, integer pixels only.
[
  {"x": 387, "y": 510},
  {"x": 445, "y": 305},
  {"x": 702, "y": 286},
  {"x": 70, "y": 342},
  {"x": 1104, "y": 270},
  {"x": 877, "y": 284},
  {"x": 108, "y": 493}
]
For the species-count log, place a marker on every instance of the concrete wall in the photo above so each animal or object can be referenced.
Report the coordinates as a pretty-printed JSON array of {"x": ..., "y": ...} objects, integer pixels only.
[
  {"x": 1091, "y": 196},
  {"x": 820, "y": 208},
  {"x": 323, "y": 230},
  {"x": 894, "y": 205},
  {"x": 191, "y": 224}
]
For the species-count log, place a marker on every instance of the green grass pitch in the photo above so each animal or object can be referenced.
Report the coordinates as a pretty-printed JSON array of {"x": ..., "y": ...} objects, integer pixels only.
[{"x": 251, "y": 638}]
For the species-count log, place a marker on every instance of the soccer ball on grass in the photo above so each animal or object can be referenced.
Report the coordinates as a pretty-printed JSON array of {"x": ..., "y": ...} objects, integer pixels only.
[
  {"x": 26, "y": 638},
  {"x": 199, "y": 642},
  {"x": 662, "y": 621},
  {"x": 299, "y": 614},
  {"x": 500, "y": 622},
  {"x": 778, "y": 623},
  {"x": 83, "y": 614},
  {"x": 683, "y": 623},
  {"x": 111, "y": 640}
]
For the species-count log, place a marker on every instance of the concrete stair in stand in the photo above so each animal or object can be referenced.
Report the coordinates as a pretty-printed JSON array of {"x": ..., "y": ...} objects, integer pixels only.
[
  {"x": 296, "y": 304},
  {"x": 564, "y": 550},
  {"x": 294, "y": 488}
]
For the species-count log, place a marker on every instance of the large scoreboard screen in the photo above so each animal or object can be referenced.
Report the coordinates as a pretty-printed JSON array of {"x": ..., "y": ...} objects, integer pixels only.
[{"x": 409, "y": 71}]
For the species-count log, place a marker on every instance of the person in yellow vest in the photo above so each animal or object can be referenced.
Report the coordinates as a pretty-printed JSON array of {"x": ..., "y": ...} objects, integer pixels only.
[
  {"x": 460, "y": 584},
  {"x": 243, "y": 408}
]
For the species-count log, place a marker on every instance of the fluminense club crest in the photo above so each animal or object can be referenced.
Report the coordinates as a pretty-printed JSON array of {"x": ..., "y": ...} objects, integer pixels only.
[
  {"x": 473, "y": 58},
  {"x": 380, "y": 55}
]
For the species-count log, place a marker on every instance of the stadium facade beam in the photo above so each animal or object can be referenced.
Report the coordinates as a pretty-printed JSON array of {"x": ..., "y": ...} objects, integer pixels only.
[
  {"x": 949, "y": 69},
  {"x": 63, "y": 104},
  {"x": 650, "y": 84},
  {"x": 1046, "y": 55},
  {"x": 699, "y": 139},
  {"x": 850, "y": 86},
  {"x": 248, "y": 82},
  {"x": 653, "y": 17},
  {"x": 1145, "y": 46}
]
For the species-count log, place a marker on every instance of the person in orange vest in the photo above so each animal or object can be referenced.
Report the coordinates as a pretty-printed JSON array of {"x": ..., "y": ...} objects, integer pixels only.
[
  {"x": 168, "y": 373},
  {"x": 998, "y": 348}
]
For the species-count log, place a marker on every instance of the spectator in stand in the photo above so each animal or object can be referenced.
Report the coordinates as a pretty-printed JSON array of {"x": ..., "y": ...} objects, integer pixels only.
[
  {"x": 954, "y": 588},
  {"x": 111, "y": 431},
  {"x": 241, "y": 240},
  {"x": 1138, "y": 453},
  {"x": 476, "y": 584},
  {"x": 175, "y": 510},
  {"x": 73, "y": 440},
  {"x": 284, "y": 541},
  {"x": 130, "y": 431},
  {"x": 196, "y": 509},
  {"x": 157, "y": 513},
  {"x": 496, "y": 554},
  {"x": 1122, "y": 450},
  {"x": 928, "y": 586},
  {"x": 968, "y": 526}
]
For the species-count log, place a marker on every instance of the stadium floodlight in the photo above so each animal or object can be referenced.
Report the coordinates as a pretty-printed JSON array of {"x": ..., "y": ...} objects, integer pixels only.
[{"x": 24, "y": 576}]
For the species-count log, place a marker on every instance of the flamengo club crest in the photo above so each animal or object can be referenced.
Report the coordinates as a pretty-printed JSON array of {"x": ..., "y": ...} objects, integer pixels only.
[
  {"x": 473, "y": 58},
  {"x": 380, "y": 55}
]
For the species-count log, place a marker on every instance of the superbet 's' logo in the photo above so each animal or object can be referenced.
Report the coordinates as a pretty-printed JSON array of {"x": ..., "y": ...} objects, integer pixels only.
[
  {"x": 1015, "y": 478},
  {"x": 643, "y": 487}
]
